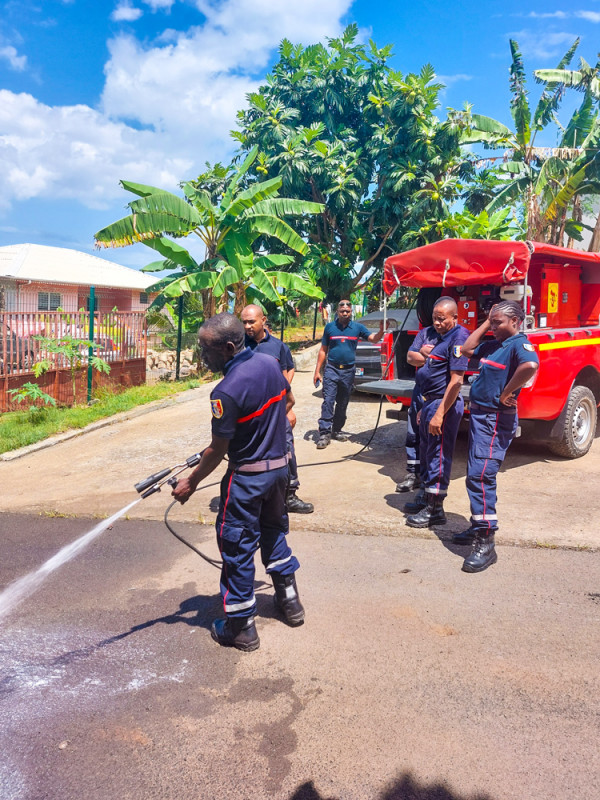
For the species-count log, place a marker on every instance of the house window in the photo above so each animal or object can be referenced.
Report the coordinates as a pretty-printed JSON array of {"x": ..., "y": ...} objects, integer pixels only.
[
  {"x": 144, "y": 299},
  {"x": 48, "y": 301}
]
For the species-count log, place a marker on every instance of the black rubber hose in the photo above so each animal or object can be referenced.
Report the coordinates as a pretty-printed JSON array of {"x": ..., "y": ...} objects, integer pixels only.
[{"x": 212, "y": 561}]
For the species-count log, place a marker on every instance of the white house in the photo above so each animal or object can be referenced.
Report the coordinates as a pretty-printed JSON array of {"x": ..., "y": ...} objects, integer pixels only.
[{"x": 35, "y": 277}]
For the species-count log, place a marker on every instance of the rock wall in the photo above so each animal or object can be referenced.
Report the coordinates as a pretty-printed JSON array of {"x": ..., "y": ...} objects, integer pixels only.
[{"x": 160, "y": 365}]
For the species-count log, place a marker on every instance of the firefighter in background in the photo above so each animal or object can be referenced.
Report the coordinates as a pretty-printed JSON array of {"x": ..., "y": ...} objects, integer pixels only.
[
  {"x": 260, "y": 339},
  {"x": 338, "y": 355},
  {"x": 507, "y": 363},
  {"x": 440, "y": 381},
  {"x": 417, "y": 355},
  {"x": 248, "y": 424}
]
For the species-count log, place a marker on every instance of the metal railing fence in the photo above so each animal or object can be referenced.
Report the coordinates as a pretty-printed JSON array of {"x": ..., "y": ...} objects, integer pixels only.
[{"x": 30, "y": 337}]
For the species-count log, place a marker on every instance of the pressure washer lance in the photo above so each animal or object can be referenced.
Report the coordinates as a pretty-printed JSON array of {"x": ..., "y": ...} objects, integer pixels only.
[{"x": 155, "y": 482}]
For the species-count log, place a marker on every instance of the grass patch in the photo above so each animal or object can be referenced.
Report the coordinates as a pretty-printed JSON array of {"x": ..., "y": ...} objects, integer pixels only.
[{"x": 21, "y": 428}]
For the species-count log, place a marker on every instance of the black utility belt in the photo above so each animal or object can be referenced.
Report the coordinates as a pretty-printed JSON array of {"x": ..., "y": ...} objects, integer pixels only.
[
  {"x": 427, "y": 397},
  {"x": 340, "y": 366},
  {"x": 490, "y": 409}
]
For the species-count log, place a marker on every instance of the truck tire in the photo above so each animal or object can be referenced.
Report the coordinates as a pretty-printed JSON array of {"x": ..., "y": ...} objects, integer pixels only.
[{"x": 579, "y": 424}]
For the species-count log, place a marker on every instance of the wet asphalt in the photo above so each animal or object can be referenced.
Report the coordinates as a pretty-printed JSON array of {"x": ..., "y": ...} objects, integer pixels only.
[{"x": 409, "y": 679}]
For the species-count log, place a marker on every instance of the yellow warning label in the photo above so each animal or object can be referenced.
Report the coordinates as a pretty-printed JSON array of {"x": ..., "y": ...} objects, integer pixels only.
[{"x": 552, "y": 298}]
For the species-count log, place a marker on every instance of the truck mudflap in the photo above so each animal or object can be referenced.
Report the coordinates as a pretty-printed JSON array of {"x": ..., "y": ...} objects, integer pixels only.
[{"x": 400, "y": 387}]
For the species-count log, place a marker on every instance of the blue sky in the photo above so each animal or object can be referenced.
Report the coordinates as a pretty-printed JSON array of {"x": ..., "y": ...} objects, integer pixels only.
[{"x": 147, "y": 90}]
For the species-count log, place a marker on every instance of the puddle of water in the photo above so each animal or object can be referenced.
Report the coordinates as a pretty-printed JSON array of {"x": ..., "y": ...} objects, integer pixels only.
[{"x": 23, "y": 587}]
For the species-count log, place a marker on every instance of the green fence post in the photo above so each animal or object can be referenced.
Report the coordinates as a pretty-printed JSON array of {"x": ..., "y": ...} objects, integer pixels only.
[
  {"x": 179, "y": 328},
  {"x": 91, "y": 339}
]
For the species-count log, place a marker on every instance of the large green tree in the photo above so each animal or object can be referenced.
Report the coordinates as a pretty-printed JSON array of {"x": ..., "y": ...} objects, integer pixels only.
[
  {"x": 235, "y": 224},
  {"x": 341, "y": 128}
]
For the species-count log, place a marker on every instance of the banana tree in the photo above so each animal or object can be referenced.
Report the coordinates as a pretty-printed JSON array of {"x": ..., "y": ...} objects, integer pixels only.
[
  {"x": 522, "y": 162},
  {"x": 234, "y": 228}
]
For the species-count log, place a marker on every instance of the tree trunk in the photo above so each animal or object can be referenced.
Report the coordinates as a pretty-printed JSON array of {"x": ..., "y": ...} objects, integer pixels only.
[{"x": 595, "y": 242}]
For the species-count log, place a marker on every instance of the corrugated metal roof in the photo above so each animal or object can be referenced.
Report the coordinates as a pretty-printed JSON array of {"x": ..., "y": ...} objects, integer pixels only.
[{"x": 35, "y": 262}]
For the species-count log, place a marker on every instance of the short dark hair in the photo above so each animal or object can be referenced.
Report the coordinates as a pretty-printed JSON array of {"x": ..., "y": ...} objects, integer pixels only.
[
  {"x": 446, "y": 301},
  {"x": 511, "y": 309},
  {"x": 223, "y": 328}
]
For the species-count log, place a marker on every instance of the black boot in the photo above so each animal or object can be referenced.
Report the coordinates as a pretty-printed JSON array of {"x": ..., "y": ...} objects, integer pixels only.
[
  {"x": 323, "y": 441},
  {"x": 432, "y": 514},
  {"x": 483, "y": 554},
  {"x": 239, "y": 632},
  {"x": 297, "y": 506},
  {"x": 417, "y": 503},
  {"x": 464, "y": 537},
  {"x": 286, "y": 598},
  {"x": 410, "y": 482}
]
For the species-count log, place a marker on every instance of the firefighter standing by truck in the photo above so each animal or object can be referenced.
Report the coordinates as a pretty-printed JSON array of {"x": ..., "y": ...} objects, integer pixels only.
[
  {"x": 440, "y": 380},
  {"x": 507, "y": 363},
  {"x": 417, "y": 355}
]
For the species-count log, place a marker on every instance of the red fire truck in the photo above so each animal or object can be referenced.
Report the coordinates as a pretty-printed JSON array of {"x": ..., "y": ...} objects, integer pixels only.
[{"x": 560, "y": 292}]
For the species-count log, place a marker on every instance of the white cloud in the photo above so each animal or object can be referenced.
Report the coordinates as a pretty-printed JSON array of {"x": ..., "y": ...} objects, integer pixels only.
[
  {"x": 591, "y": 16},
  {"x": 16, "y": 62},
  {"x": 166, "y": 108},
  {"x": 159, "y": 5},
  {"x": 544, "y": 44},
  {"x": 548, "y": 15},
  {"x": 450, "y": 80},
  {"x": 76, "y": 152},
  {"x": 125, "y": 12}
]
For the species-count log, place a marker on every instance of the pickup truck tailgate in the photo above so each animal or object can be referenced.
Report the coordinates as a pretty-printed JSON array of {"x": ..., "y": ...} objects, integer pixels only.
[{"x": 399, "y": 388}]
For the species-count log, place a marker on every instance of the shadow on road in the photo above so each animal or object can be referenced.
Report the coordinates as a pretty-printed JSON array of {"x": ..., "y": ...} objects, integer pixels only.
[
  {"x": 198, "y": 612},
  {"x": 404, "y": 788}
]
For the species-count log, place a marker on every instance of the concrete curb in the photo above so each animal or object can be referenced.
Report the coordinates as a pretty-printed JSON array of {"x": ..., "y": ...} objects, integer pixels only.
[
  {"x": 305, "y": 359},
  {"x": 183, "y": 397}
]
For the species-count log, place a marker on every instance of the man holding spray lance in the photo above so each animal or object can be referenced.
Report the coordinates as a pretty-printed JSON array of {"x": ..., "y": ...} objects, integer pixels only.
[{"x": 248, "y": 409}]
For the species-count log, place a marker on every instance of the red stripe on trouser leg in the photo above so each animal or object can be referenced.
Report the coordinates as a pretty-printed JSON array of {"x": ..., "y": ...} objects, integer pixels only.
[
  {"x": 221, "y": 536},
  {"x": 483, "y": 472}
]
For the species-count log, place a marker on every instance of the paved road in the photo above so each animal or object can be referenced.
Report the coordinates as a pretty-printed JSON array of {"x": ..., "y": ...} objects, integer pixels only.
[
  {"x": 409, "y": 679},
  {"x": 543, "y": 500}
]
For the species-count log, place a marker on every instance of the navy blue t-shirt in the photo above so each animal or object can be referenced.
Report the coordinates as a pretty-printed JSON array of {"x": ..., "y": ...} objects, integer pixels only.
[
  {"x": 248, "y": 408},
  {"x": 342, "y": 342},
  {"x": 272, "y": 346},
  {"x": 498, "y": 362},
  {"x": 424, "y": 336},
  {"x": 446, "y": 357}
]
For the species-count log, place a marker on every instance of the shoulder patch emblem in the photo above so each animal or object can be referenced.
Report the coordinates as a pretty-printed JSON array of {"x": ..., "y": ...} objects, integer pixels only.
[
  {"x": 529, "y": 347},
  {"x": 457, "y": 351},
  {"x": 216, "y": 406}
]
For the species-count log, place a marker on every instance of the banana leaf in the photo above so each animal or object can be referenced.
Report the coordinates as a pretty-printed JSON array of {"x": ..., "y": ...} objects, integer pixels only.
[
  {"x": 140, "y": 189},
  {"x": 250, "y": 197},
  {"x": 227, "y": 277},
  {"x": 271, "y": 226},
  {"x": 167, "y": 203},
  {"x": 284, "y": 207},
  {"x": 140, "y": 228},
  {"x": 173, "y": 251},
  {"x": 289, "y": 280}
]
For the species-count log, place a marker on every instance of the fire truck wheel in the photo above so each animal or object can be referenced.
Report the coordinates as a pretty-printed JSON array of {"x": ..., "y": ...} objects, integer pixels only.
[{"x": 579, "y": 426}]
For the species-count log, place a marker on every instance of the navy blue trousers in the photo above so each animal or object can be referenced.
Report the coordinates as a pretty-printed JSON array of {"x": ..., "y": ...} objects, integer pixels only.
[
  {"x": 437, "y": 451},
  {"x": 337, "y": 387},
  {"x": 412, "y": 433},
  {"x": 252, "y": 513},
  {"x": 490, "y": 434}
]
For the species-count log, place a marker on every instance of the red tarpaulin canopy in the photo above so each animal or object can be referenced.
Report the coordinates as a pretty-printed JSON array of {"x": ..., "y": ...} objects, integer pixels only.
[{"x": 464, "y": 262}]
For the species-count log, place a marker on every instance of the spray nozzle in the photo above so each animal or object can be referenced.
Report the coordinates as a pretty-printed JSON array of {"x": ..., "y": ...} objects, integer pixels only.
[
  {"x": 153, "y": 483},
  {"x": 156, "y": 478}
]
